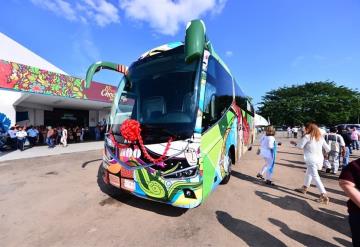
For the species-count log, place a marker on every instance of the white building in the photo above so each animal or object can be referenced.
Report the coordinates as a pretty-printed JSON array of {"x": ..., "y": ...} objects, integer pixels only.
[{"x": 35, "y": 92}]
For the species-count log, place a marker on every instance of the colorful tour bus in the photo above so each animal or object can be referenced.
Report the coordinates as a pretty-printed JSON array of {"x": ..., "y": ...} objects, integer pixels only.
[{"x": 179, "y": 122}]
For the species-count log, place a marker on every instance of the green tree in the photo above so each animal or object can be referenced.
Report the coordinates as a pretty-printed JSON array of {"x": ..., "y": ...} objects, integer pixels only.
[{"x": 323, "y": 102}]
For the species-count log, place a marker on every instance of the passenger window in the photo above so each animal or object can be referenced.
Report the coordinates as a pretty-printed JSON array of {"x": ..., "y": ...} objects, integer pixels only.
[{"x": 218, "y": 93}]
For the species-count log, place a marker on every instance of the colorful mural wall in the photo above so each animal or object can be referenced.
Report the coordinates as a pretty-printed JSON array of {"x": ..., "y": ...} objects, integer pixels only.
[{"x": 20, "y": 77}]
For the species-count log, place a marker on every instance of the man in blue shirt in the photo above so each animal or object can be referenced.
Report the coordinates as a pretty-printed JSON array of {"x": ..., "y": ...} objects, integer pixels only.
[{"x": 32, "y": 135}]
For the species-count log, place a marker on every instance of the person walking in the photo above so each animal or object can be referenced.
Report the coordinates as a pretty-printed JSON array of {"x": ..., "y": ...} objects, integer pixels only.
[
  {"x": 268, "y": 152},
  {"x": 355, "y": 138},
  {"x": 312, "y": 143},
  {"x": 82, "y": 133},
  {"x": 349, "y": 181},
  {"x": 50, "y": 137},
  {"x": 337, "y": 149},
  {"x": 289, "y": 132},
  {"x": 64, "y": 136},
  {"x": 21, "y": 138},
  {"x": 295, "y": 131},
  {"x": 347, "y": 140}
]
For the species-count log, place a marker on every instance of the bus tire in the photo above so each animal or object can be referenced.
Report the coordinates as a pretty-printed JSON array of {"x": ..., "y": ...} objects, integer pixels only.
[
  {"x": 104, "y": 187},
  {"x": 228, "y": 172}
]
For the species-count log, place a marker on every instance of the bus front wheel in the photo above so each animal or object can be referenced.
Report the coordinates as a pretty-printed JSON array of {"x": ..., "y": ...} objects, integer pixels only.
[{"x": 104, "y": 187}]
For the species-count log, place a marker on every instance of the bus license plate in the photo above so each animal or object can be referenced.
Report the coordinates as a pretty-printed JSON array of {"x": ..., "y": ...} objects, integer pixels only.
[
  {"x": 129, "y": 184},
  {"x": 114, "y": 180}
]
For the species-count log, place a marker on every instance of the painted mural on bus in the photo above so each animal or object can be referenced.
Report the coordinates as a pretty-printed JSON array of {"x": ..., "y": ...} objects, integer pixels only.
[{"x": 178, "y": 124}]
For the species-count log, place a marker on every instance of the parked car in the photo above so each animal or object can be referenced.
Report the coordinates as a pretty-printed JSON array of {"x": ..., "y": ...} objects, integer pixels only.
[{"x": 351, "y": 126}]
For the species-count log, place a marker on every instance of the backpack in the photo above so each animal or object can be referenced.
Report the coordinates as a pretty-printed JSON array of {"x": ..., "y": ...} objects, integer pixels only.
[{"x": 333, "y": 142}]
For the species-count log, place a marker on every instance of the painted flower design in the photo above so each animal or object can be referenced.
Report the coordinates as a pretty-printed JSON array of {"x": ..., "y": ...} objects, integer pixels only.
[
  {"x": 37, "y": 88},
  {"x": 5, "y": 72}
]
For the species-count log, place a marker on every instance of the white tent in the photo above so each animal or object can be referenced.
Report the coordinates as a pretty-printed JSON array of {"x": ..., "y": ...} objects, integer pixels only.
[{"x": 260, "y": 121}]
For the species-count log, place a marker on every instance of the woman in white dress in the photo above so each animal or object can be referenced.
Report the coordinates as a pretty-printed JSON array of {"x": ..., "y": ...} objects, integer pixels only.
[
  {"x": 267, "y": 151},
  {"x": 64, "y": 136},
  {"x": 313, "y": 143}
]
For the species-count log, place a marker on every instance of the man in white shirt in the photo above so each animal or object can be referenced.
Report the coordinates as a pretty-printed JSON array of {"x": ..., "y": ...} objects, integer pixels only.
[
  {"x": 337, "y": 149},
  {"x": 12, "y": 134},
  {"x": 21, "y": 137},
  {"x": 295, "y": 131}
]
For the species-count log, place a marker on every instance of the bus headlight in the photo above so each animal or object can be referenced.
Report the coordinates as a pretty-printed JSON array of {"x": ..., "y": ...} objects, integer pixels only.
[{"x": 183, "y": 173}]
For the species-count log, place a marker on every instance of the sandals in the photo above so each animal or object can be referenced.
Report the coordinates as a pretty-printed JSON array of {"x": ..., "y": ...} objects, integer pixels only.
[
  {"x": 259, "y": 176},
  {"x": 302, "y": 190},
  {"x": 324, "y": 199}
]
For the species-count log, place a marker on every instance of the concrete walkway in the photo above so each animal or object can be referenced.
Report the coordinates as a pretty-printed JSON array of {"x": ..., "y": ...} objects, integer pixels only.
[{"x": 41, "y": 151}]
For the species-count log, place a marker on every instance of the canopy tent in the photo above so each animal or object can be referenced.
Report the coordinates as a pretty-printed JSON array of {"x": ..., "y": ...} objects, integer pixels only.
[{"x": 260, "y": 121}]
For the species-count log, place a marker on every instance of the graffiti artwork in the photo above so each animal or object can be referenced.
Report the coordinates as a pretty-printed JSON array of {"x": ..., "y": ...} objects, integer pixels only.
[
  {"x": 175, "y": 126},
  {"x": 20, "y": 77}
]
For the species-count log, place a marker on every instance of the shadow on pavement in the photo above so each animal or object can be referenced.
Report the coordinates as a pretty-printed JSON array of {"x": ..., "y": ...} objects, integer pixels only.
[
  {"x": 290, "y": 153},
  {"x": 249, "y": 233},
  {"x": 88, "y": 162},
  {"x": 118, "y": 196},
  {"x": 296, "y": 162},
  {"x": 289, "y": 165},
  {"x": 303, "y": 207},
  {"x": 343, "y": 242},
  {"x": 334, "y": 191},
  {"x": 329, "y": 176},
  {"x": 332, "y": 212},
  {"x": 305, "y": 239},
  {"x": 284, "y": 189}
]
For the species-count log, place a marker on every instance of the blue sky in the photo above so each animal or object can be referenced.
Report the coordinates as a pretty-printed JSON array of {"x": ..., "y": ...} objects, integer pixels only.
[{"x": 266, "y": 43}]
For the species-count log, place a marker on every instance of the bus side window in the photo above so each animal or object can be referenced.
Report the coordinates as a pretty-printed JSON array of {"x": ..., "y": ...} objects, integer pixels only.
[{"x": 209, "y": 114}]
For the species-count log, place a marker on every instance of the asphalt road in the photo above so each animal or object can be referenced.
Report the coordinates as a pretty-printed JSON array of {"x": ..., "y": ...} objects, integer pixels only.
[{"x": 55, "y": 201}]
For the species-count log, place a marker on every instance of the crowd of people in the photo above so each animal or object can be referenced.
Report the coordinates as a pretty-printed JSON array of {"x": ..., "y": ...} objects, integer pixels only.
[
  {"x": 323, "y": 152},
  {"x": 19, "y": 137}
]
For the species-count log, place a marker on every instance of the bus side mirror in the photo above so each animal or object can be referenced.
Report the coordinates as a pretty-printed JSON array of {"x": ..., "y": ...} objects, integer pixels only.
[
  {"x": 194, "y": 40},
  {"x": 96, "y": 67}
]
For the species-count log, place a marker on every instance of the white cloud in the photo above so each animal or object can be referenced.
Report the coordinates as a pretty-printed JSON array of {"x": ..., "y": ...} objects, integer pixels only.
[
  {"x": 102, "y": 12},
  {"x": 229, "y": 53},
  {"x": 165, "y": 16},
  {"x": 59, "y": 7}
]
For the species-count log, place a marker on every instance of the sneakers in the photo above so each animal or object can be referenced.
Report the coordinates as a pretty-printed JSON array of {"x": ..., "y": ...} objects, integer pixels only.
[
  {"x": 324, "y": 199},
  {"x": 259, "y": 176},
  {"x": 302, "y": 190}
]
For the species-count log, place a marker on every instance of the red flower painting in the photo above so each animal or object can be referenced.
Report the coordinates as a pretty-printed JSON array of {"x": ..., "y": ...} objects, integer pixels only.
[{"x": 5, "y": 72}]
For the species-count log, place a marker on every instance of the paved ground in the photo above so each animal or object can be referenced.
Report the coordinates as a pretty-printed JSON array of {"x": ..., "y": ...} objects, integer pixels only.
[
  {"x": 55, "y": 201},
  {"x": 40, "y": 151}
]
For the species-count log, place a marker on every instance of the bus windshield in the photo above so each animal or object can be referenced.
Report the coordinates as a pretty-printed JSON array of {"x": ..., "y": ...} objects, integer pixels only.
[{"x": 160, "y": 92}]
